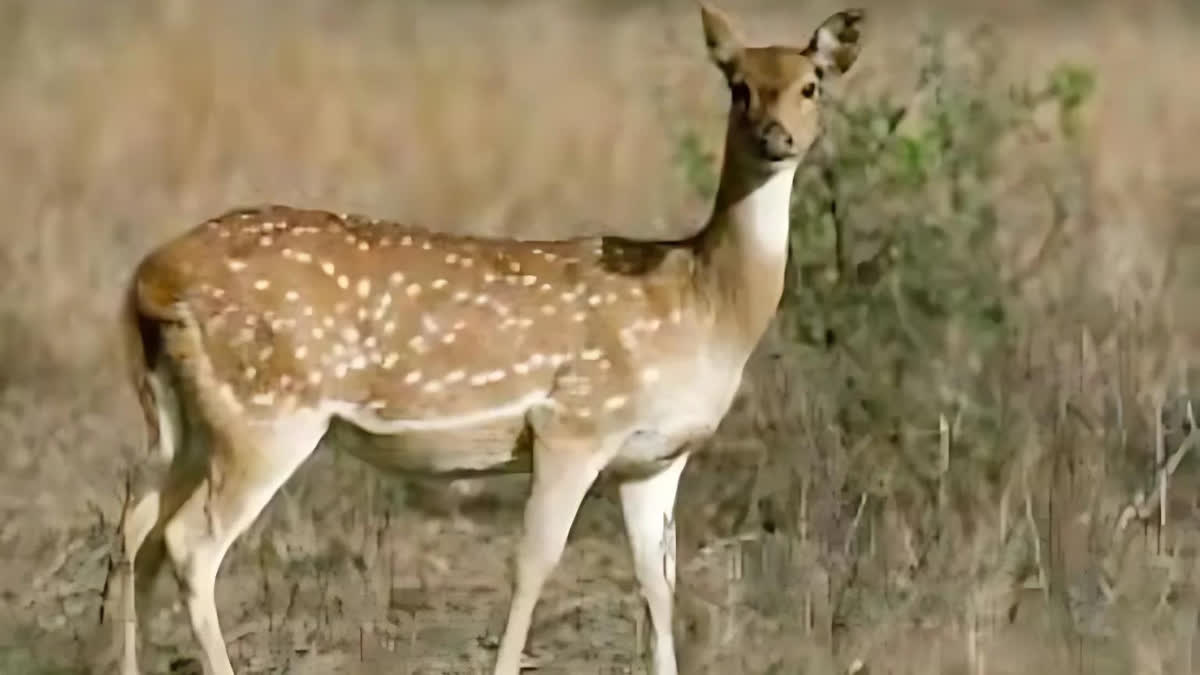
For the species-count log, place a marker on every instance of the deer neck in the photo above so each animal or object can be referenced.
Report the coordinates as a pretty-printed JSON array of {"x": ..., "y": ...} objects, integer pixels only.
[{"x": 744, "y": 246}]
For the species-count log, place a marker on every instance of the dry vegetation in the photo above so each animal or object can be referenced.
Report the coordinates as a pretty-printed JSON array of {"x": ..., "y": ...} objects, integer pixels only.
[{"x": 971, "y": 517}]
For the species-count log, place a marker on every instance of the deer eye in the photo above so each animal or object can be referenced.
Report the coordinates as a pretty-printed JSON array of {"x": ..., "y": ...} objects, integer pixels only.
[
  {"x": 740, "y": 94},
  {"x": 809, "y": 90}
]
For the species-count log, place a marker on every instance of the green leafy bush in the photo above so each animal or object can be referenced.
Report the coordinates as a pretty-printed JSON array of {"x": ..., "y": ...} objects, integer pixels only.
[
  {"x": 894, "y": 272},
  {"x": 903, "y": 323},
  {"x": 899, "y": 286}
]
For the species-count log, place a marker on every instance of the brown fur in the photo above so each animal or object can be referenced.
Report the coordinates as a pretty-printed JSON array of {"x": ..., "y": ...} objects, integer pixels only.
[{"x": 515, "y": 301}]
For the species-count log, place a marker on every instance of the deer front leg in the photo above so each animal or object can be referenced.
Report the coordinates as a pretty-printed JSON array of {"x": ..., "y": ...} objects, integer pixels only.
[
  {"x": 648, "y": 504},
  {"x": 562, "y": 474}
]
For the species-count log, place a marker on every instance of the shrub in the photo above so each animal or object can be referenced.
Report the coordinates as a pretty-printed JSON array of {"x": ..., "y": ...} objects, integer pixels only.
[{"x": 900, "y": 404}]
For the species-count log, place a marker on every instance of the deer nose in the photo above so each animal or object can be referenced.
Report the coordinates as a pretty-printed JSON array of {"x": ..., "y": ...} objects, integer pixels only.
[{"x": 776, "y": 142}]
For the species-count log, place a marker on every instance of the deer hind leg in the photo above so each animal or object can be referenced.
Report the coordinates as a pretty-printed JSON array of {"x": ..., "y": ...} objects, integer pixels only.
[
  {"x": 648, "y": 504},
  {"x": 244, "y": 468},
  {"x": 142, "y": 523},
  {"x": 562, "y": 474},
  {"x": 145, "y": 551},
  {"x": 143, "y": 558}
]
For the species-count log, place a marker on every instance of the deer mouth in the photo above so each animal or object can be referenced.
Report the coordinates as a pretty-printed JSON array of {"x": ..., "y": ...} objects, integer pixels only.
[{"x": 773, "y": 153}]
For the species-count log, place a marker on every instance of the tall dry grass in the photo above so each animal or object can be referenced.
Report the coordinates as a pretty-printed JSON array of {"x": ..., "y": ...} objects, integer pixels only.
[{"x": 127, "y": 121}]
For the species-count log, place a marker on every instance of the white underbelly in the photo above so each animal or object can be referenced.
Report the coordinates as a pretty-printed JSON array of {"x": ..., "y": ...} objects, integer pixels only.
[
  {"x": 487, "y": 448},
  {"x": 495, "y": 440},
  {"x": 666, "y": 421}
]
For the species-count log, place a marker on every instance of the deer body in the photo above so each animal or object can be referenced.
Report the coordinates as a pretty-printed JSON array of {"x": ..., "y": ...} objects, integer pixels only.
[
  {"x": 263, "y": 333},
  {"x": 555, "y": 334}
]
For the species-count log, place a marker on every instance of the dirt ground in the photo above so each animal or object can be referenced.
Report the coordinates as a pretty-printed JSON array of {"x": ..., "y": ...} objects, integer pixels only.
[{"x": 124, "y": 122}]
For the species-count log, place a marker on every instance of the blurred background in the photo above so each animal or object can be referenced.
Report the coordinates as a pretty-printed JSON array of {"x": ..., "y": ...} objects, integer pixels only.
[{"x": 964, "y": 447}]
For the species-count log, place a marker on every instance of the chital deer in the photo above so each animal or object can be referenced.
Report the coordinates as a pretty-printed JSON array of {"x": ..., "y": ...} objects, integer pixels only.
[{"x": 260, "y": 333}]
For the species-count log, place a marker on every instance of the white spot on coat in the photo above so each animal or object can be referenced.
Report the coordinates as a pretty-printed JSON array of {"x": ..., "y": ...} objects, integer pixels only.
[{"x": 615, "y": 403}]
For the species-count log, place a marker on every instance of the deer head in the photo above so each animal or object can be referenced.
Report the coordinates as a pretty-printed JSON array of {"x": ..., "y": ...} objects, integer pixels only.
[{"x": 775, "y": 91}]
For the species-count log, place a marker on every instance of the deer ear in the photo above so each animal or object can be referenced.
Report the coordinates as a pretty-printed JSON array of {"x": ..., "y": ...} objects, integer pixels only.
[
  {"x": 835, "y": 44},
  {"x": 724, "y": 45}
]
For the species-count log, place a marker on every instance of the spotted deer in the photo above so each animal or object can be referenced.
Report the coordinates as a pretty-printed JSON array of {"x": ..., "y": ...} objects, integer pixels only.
[{"x": 263, "y": 332}]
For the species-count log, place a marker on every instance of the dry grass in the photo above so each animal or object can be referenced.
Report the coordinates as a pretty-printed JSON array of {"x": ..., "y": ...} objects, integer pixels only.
[{"x": 127, "y": 121}]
